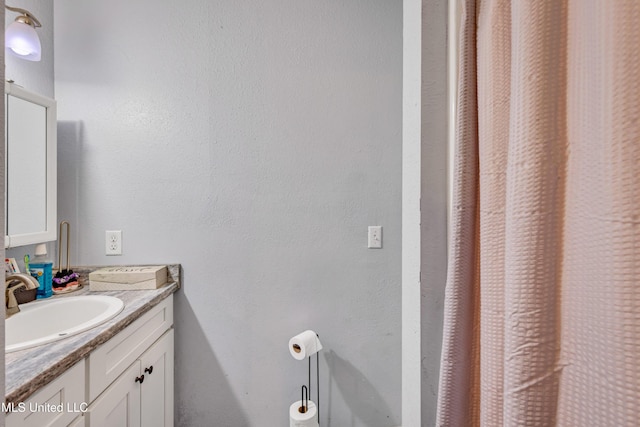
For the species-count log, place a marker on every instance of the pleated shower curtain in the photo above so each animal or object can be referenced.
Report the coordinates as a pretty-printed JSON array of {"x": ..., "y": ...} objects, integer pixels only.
[{"x": 542, "y": 309}]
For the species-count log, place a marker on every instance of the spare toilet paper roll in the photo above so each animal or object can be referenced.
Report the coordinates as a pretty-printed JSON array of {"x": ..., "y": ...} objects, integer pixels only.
[
  {"x": 304, "y": 345},
  {"x": 306, "y": 419}
]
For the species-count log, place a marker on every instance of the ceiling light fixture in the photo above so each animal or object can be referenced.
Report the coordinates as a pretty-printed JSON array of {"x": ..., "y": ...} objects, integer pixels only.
[{"x": 21, "y": 38}]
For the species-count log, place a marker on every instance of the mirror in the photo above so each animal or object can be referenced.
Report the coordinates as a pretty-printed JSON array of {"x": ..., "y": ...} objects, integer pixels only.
[{"x": 30, "y": 164}]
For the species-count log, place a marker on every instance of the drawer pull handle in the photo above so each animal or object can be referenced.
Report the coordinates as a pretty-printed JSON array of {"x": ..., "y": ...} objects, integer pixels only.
[
  {"x": 140, "y": 379},
  {"x": 148, "y": 370}
]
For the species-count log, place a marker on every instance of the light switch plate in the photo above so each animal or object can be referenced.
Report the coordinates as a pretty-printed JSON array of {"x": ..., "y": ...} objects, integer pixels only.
[{"x": 375, "y": 237}]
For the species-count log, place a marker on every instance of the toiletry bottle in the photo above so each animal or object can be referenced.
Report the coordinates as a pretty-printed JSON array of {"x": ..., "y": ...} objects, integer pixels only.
[{"x": 42, "y": 269}]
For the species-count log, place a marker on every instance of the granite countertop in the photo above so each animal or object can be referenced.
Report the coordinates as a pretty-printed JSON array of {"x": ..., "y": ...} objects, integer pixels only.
[{"x": 26, "y": 371}]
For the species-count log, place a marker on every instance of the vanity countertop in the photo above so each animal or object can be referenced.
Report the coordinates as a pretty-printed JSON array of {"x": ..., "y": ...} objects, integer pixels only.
[{"x": 26, "y": 371}]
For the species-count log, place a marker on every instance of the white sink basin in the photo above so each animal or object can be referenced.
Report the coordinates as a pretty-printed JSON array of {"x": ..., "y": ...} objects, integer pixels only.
[{"x": 50, "y": 320}]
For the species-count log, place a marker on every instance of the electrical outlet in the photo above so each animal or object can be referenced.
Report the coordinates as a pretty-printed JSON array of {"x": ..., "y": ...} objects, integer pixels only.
[{"x": 113, "y": 242}]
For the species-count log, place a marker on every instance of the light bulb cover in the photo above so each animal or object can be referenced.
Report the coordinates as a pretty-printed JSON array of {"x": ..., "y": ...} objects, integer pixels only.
[{"x": 22, "y": 40}]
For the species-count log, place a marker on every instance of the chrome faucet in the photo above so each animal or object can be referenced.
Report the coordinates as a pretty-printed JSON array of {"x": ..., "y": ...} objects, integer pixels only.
[{"x": 11, "y": 303}]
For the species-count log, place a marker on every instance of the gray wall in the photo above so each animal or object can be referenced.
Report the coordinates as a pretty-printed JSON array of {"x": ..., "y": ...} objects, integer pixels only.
[{"x": 253, "y": 142}]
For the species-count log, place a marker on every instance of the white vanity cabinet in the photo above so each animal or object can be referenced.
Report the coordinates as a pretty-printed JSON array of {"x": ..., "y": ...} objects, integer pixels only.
[
  {"x": 131, "y": 375},
  {"x": 125, "y": 382}
]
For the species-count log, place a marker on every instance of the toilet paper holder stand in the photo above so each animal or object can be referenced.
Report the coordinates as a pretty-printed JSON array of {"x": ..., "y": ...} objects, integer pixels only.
[
  {"x": 304, "y": 397},
  {"x": 305, "y": 389}
]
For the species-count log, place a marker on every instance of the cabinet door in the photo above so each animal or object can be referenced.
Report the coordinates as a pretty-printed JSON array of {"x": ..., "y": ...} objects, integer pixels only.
[
  {"x": 157, "y": 389},
  {"x": 119, "y": 405}
]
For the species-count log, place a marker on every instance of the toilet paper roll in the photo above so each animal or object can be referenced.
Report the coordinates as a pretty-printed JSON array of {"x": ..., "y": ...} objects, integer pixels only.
[
  {"x": 306, "y": 419},
  {"x": 304, "y": 345}
]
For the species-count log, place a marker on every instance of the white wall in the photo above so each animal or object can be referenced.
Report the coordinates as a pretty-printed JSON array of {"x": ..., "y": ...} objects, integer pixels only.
[
  {"x": 253, "y": 142},
  {"x": 411, "y": 195},
  {"x": 424, "y": 213}
]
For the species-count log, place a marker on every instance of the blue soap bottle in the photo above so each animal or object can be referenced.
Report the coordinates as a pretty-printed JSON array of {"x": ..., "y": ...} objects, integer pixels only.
[{"x": 42, "y": 269}]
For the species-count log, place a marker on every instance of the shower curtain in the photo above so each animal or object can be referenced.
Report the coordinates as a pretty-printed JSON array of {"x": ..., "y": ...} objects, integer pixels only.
[{"x": 542, "y": 308}]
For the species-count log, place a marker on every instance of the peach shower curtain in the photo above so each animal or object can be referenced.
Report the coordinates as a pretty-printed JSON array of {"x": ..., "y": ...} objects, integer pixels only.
[{"x": 542, "y": 311}]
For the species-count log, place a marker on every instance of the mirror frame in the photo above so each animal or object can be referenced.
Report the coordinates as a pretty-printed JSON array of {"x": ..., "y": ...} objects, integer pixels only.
[{"x": 50, "y": 233}]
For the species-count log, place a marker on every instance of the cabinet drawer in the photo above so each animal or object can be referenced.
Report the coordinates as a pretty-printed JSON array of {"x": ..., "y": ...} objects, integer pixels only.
[
  {"x": 65, "y": 393},
  {"x": 112, "y": 358}
]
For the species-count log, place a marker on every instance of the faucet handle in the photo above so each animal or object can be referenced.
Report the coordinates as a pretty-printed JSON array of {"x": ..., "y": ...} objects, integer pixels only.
[
  {"x": 29, "y": 281},
  {"x": 13, "y": 286},
  {"x": 10, "y": 301}
]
